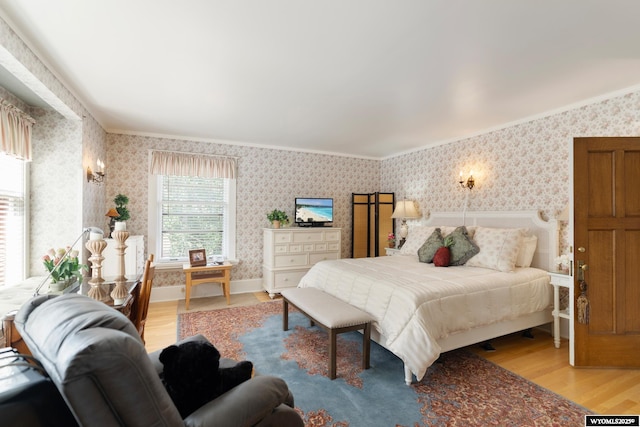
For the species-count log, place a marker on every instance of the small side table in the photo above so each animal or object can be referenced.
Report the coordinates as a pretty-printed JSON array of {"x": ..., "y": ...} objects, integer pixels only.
[
  {"x": 392, "y": 251},
  {"x": 565, "y": 280},
  {"x": 208, "y": 274}
]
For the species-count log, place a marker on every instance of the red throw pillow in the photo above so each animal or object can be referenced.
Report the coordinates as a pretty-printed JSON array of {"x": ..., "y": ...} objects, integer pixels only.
[{"x": 442, "y": 257}]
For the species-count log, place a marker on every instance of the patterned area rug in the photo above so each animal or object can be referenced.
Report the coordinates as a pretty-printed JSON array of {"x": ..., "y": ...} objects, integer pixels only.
[{"x": 461, "y": 389}]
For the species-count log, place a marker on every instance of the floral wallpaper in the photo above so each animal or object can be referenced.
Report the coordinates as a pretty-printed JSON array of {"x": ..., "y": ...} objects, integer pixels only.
[
  {"x": 55, "y": 202},
  {"x": 267, "y": 179},
  {"x": 66, "y": 139},
  {"x": 522, "y": 167}
]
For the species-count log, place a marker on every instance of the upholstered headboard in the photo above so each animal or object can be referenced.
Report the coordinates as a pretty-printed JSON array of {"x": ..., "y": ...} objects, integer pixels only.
[{"x": 546, "y": 231}]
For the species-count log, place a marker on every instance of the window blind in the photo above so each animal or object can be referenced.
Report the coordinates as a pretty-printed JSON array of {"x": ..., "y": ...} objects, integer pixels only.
[
  {"x": 12, "y": 220},
  {"x": 194, "y": 213}
]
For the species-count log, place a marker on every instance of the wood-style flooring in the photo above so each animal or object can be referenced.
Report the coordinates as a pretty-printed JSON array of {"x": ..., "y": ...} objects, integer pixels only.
[{"x": 604, "y": 391}]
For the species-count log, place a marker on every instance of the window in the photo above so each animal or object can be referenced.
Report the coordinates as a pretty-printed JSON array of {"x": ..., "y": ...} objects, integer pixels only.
[
  {"x": 192, "y": 213},
  {"x": 12, "y": 220}
]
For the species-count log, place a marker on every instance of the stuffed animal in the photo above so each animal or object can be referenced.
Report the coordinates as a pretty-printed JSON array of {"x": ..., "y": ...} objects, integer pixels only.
[{"x": 193, "y": 377}]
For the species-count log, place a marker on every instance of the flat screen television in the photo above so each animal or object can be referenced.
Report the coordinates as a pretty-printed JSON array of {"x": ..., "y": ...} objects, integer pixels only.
[{"x": 314, "y": 212}]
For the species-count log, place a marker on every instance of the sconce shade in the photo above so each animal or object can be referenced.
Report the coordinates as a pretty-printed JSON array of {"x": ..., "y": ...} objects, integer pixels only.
[
  {"x": 405, "y": 209},
  {"x": 112, "y": 213}
]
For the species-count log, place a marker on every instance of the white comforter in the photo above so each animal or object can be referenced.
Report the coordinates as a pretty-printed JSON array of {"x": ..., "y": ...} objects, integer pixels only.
[{"x": 415, "y": 304}]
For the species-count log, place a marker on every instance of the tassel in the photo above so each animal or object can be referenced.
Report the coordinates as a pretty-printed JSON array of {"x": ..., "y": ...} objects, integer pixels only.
[{"x": 582, "y": 304}]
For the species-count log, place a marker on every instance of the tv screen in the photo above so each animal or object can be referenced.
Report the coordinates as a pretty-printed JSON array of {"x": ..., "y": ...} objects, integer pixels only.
[{"x": 314, "y": 210}]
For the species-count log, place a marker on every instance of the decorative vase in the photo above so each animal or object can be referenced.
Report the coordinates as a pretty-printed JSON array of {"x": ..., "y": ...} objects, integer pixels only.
[
  {"x": 276, "y": 224},
  {"x": 120, "y": 226},
  {"x": 61, "y": 285},
  {"x": 392, "y": 244}
]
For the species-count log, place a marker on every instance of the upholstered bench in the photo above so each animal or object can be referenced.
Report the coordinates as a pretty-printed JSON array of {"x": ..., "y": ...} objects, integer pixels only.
[{"x": 331, "y": 314}]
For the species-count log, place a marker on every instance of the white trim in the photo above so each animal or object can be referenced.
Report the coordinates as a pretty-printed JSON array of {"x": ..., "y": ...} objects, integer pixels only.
[
  {"x": 237, "y": 143},
  {"x": 534, "y": 117},
  {"x": 174, "y": 293},
  {"x": 154, "y": 217}
]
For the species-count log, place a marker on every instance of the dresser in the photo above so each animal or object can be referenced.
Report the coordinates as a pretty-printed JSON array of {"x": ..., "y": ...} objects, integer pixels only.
[
  {"x": 133, "y": 257},
  {"x": 290, "y": 252}
]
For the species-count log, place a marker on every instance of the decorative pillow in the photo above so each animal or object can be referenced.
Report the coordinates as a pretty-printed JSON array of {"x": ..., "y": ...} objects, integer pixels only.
[
  {"x": 430, "y": 246},
  {"x": 498, "y": 248},
  {"x": 416, "y": 237},
  {"x": 526, "y": 251},
  {"x": 442, "y": 257},
  {"x": 462, "y": 247}
]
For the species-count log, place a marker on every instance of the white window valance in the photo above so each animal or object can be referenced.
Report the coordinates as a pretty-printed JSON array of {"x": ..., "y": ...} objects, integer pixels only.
[
  {"x": 192, "y": 164},
  {"x": 15, "y": 131}
]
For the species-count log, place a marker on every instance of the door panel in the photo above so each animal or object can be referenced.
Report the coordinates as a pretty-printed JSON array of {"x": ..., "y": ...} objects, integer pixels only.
[
  {"x": 632, "y": 174},
  {"x": 631, "y": 295},
  {"x": 607, "y": 225},
  {"x": 601, "y": 250}
]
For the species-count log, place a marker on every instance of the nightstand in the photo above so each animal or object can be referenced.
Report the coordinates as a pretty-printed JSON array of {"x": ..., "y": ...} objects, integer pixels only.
[
  {"x": 392, "y": 251},
  {"x": 565, "y": 280}
]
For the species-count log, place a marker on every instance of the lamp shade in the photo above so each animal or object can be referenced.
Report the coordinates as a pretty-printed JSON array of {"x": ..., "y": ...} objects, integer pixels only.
[
  {"x": 112, "y": 213},
  {"x": 405, "y": 209}
]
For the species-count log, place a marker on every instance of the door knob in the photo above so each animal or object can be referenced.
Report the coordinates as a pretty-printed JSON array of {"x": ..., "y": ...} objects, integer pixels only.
[
  {"x": 581, "y": 249},
  {"x": 582, "y": 267}
]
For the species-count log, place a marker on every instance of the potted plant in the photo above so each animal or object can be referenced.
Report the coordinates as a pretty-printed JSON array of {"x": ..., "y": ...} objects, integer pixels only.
[
  {"x": 64, "y": 267},
  {"x": 277, "y": 218},
  {"x": 391, "y": 238},
  {"x": 121, "y": 202}
]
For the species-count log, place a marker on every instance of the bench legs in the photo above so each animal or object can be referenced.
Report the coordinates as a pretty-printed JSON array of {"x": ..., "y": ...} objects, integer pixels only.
[{"x": 333, "y": 335}]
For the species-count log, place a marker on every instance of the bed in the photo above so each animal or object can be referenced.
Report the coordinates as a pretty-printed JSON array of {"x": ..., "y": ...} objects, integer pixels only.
[{"x": 422, "y": 310}]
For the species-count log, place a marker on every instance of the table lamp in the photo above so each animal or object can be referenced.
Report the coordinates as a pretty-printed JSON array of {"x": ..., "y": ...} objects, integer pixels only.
[{"x": 404, "y": 209}]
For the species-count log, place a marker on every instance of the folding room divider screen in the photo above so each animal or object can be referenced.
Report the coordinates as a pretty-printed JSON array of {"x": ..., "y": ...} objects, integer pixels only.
[{"x": 371, "y": 223}]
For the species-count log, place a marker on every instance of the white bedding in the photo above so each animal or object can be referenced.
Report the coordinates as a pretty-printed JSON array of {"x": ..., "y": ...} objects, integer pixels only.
[{"x": 415, "y": 304}]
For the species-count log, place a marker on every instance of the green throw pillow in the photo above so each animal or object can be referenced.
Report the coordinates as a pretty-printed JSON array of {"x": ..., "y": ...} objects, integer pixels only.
[
  {"x": 463, "y": 248},
  {"x": 430, "y": 246}
]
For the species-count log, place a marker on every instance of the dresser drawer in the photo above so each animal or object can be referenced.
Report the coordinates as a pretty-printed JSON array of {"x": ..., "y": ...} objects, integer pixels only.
[
  {"x": 291, "y": 260},
  {"x": 282, "y": 237},
  {"x": 334, "y": 246},
  {"x": 281, "y": 249},
  {"x": 331, "y": 235},
  {"x": 320, "y": 247},
  {"x": 313, "y": 258},
  {"x": 308, "y": 237},
  {"x": 287, "y": 279}
]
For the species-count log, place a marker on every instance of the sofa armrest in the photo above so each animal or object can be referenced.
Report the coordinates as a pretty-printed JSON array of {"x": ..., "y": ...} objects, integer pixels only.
[{"x": 245, "y": 405}]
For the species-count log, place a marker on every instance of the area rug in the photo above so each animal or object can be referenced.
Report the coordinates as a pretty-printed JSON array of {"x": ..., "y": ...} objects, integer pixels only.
[{"x": 461, "y": 389}]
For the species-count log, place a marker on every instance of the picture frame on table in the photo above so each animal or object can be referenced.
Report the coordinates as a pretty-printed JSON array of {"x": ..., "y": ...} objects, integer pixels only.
[{"x": 197, "y": 258}]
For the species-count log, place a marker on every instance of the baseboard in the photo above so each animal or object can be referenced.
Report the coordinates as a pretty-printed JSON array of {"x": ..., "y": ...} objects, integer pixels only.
[{"x": 173, "y": 293}]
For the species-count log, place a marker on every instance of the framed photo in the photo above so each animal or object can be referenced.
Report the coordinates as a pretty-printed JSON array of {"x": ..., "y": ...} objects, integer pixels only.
[{"x": 197, "y": 258}]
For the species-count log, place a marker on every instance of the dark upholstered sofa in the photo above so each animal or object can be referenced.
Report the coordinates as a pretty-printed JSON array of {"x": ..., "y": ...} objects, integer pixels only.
[{"x": 98, "y": 362}]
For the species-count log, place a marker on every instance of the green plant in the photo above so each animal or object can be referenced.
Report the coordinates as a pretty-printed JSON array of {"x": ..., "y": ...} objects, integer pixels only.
[
  {"x": 67, "y": 264},
  {"x": 277, "y": 215},
  {"x": 121, "y": 202}
]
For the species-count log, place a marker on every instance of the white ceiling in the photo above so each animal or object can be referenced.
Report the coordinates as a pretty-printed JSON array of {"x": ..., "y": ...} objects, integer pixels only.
[{"x": 369, "y": 78}]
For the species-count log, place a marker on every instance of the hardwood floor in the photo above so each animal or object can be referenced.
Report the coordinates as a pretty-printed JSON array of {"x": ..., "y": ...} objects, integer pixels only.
[{"x": 604, "y": 391}]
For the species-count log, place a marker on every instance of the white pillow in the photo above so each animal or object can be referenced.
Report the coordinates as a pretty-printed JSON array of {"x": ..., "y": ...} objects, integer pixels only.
[
  {"x": 418, "y": 234},
  {"x": 526, "y": 251},
  {"x": 498, "y": 248}
]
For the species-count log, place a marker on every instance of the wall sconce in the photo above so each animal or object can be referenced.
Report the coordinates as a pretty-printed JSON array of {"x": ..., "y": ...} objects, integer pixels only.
[
  {"x": 469, "y": 183},
  {"x": 97, "y": 176}
]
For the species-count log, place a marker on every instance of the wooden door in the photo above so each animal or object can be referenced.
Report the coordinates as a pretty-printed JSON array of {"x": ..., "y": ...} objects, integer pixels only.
[{"x": 607, "y": 241}]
